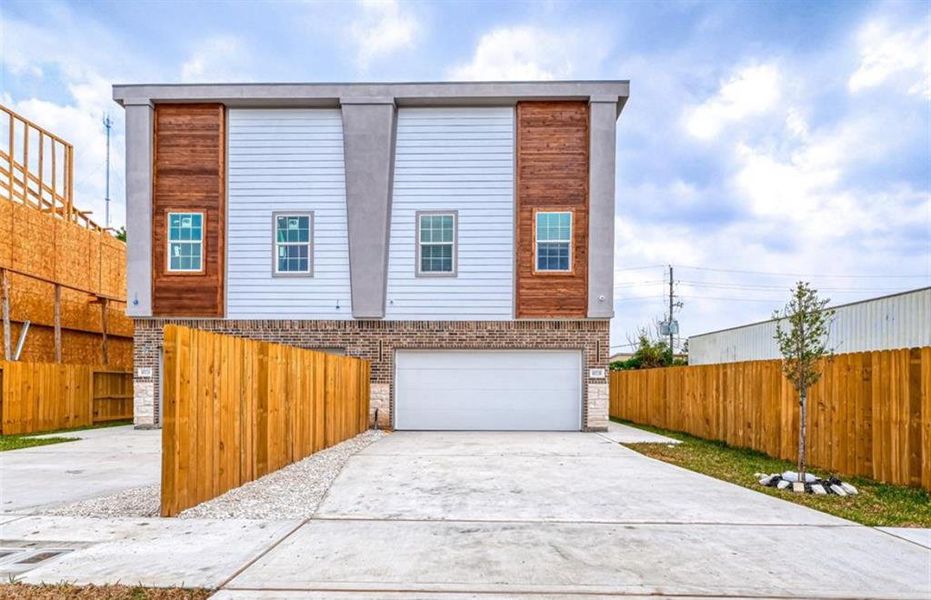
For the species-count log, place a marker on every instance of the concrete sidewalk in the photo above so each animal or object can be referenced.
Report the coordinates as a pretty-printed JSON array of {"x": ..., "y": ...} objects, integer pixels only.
[
  {"x": 149, "y": 552},
  {"x": 101, "y": 462},
  {"x": 499, "y": 515},
  {"x": 625, "y": 434}
]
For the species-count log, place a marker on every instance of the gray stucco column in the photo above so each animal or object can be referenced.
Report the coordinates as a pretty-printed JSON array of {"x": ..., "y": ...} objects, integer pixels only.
[
  {"x": 139, "y": 134},
  {"x": 368, "y": 143},
  {"x": 603, "y": 120}
]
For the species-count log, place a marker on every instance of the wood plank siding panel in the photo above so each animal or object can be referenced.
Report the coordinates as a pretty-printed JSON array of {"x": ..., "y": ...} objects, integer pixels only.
[
  {"x": 287, "y": 161},
  {"x": 457, "y": 160},
  {"x": 189, "y": 175},
  {"x": 552, "y": 174}
]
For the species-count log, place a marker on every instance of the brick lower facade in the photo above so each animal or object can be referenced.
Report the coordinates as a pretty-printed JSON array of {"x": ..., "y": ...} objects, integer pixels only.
[{"x": 377, "y": 341}]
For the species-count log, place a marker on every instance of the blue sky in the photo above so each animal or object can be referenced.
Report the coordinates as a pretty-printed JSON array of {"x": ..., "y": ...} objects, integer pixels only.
[{"x": 760, "y": 137}]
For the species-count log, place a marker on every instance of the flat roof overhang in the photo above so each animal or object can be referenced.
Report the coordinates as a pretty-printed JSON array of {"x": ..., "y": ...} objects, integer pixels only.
[{"x": 331, "y": 95}]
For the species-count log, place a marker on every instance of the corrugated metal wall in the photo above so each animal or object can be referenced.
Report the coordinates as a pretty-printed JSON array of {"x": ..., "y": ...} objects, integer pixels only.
[{"x": 900, "y": 321}]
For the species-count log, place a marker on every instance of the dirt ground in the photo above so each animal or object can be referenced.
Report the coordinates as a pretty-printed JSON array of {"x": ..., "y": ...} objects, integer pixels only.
[{"x": 21, "y": 591}]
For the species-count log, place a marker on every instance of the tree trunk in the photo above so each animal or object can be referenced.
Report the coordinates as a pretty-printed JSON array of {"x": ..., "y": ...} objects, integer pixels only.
[{"x": 802, "y": 432}]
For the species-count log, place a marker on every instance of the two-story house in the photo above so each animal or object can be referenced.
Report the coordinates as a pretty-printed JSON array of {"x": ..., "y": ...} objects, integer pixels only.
[{"x": 458, "y": 235}]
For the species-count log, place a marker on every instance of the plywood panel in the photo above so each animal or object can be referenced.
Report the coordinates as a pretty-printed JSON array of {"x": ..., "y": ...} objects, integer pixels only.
[
  {"x": 189, "y": 175},
  {"x": 552, "y": 174},
  {"x": 39, "y": 250}
]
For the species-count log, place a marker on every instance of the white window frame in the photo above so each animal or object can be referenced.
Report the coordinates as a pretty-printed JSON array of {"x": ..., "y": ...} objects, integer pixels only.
[
  {"x": 309, "y": 243},
  {"x": 200, "y": 242},
  {"x": 454, "y": 243},
  {"x": 537, "y": 241}
]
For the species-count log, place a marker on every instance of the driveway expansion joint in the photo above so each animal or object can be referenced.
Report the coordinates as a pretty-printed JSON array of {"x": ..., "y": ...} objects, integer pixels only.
[
  {"x": 262, "y": 553},
  {"x": 905, "y": 539},
  {"x": 440, "y": 593},
  {"x": 324, "y": 517}
]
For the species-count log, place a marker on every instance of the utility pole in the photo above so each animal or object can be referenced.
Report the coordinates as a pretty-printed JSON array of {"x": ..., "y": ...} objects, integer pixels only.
[
  {"x": 671, "y": 292},
  {"x": 670, "y": 327},
  {"x": 107, "y": 123}
]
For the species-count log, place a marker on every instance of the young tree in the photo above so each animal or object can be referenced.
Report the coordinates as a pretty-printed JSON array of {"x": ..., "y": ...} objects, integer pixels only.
[{"x": 801, "y": 333}]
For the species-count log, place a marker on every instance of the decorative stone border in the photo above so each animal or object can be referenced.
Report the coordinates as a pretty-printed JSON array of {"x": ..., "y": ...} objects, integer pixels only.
[{"x": 811, "y": 485}]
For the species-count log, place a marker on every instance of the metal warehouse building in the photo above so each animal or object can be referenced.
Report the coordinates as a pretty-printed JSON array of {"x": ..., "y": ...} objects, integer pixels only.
[{"x": 897, "y": 321}]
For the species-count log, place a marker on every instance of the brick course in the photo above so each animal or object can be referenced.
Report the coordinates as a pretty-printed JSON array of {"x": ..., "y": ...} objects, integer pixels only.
[{"x": 376, "y": 341}]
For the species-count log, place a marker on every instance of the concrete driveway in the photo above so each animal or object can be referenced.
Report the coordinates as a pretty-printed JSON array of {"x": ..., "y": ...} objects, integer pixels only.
[
  {"x": 101, "y": 462},
  {"x": 437, "y": 515}
]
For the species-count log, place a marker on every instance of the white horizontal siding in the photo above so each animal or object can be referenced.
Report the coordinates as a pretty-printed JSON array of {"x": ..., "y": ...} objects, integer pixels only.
[
  {"x": 457, "y": 159},
  {"x": 286, "y": 160},
  {"x": 901, "y": 321}
]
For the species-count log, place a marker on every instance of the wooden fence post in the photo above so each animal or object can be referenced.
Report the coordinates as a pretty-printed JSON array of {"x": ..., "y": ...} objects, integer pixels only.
[
  {"x": 5, "y": 292},
  {"x": 57, "y": 323},
  {"x": 104, "y": 306}
]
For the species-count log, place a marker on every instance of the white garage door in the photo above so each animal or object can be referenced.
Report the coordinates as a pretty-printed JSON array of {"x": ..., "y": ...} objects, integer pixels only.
[{"x": 488, "y": 390}]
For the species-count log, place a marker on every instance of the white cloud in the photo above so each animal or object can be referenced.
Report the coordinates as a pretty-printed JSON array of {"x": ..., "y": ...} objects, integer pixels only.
[
  {"x": 777, "y": 184},
  {"x": 382, "y": 28},
  {"x": 218, "y": 58},
  {"x": 890, "y": 55},
  {"x": 796, "y": 123},
  {"x": 80, "y": 59},
  {"x": 806, "y": 178},
  {"x": 524, "y": 53},
  {"x": 80, "y": 122},
  {"x": 751, "y": 91}
]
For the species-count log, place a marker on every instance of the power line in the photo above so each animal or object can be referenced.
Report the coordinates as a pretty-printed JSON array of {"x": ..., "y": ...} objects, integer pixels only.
[
  {"x": 627, "y": 345},
  {"x": 773, "y": 273},
  {"x": 731, "y": 299},
  {"x": 641, "y": 268},
  {"x": 644, "y": 282},
  {"x": 753, "y": 286}
]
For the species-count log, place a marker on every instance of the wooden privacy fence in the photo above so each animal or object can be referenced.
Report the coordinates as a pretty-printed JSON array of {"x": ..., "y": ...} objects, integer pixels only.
[
  {"x": 37, "y": 397},
  {"x": 869, "y": 415},
  {"x": 237, "y": 409}
]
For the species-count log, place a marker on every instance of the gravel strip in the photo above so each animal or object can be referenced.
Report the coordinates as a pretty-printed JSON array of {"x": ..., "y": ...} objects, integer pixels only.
[
  {"x": 134, "y": 502},
  {"x": 293, "y": 492}
]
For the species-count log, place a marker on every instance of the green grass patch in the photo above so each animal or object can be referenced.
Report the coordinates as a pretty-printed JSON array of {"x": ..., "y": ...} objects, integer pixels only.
[
  {"x": 877, "y": 504},
  {"x": 18, "y": 442},
  {"x": 27, "y": 440},
  {"x": 85, "y": 427}
]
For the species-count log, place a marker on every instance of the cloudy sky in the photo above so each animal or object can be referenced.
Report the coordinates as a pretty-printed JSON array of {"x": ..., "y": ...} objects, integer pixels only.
[{"x": 763, "y": 142}]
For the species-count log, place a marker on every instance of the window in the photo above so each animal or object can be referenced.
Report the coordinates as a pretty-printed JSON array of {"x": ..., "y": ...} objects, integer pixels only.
[
  {"x": 292, "y": 243},
  {"x": 554, "y": 239},
  {"x": 436, "y": 244},
  {"x": 185, "y": 242}
]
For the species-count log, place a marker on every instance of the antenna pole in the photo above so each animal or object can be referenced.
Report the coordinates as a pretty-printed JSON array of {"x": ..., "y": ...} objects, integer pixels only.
[{"x": 107, "y": 123}]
